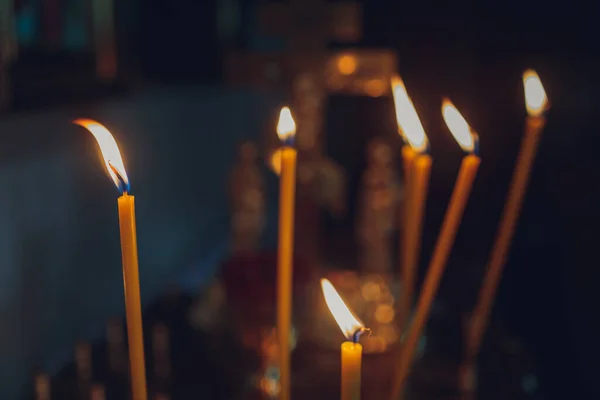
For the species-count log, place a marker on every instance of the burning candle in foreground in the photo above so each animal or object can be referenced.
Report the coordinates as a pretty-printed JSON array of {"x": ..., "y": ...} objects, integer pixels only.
[
  {"x": 126, "y": 206},
  {"x": 467, "y": 139},
  {"x": 417, "y": 166},
  {"x": 352, "y": 328},
  {"x": 536, "y": 104},
  {"x": 286, "y": 130}
]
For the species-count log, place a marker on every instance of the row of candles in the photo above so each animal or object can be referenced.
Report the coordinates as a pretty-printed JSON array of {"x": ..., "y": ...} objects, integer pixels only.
[{"x": 417, "y": 165}]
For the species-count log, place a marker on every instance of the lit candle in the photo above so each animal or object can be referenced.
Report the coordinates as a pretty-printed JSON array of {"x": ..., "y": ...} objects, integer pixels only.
[
  {"x": 352, "y": 328},
  {"x": 408, "y": 155},
  {"x": 399, "y": 96},
  {"x": 536, "y": 103},
  {"x": 131, "y": 280},
  {"x": 467, "y": 139},
  {"x": 286, "y": 130},
  {"x": 417, "y": 166}
]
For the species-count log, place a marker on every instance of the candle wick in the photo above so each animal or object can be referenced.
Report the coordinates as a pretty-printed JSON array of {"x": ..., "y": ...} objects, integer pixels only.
[
  {"x": 426, "y": 150},
  {"x": 475, "y": 150},
  {"x": 288, "y": 141},
  {"x": 359, "y": 332},
  {"x": 123, "y": 186}
]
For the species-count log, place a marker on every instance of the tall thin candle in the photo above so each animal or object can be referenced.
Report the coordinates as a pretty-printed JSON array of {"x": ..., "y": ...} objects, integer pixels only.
[
  {"x": 417, "y": 167},
  {"x": 131, "y": 279},
  {"x": 460, "y": 195},
  {"x": 286, "y": 129},
  {"x": 536, "y": 103}
]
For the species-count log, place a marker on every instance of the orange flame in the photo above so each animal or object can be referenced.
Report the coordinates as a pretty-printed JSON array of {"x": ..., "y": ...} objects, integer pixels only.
[
  {"x": 347, "y": 322},
  {"x": 408, "y": 121},
  {"x": 110, "y": 150},
  {"x": 458, "y": 126},
  {"x": 286, "y": 127},
  {"x": 535, "y": 95}
]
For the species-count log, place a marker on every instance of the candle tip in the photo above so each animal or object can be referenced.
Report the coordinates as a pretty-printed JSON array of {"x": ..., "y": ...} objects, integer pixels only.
[
  {"x": 536, "y": 100},
  {"x": 359, "y": 332},
  {"x": 121, "y": 182},
  {"x": 458, "y": 126},
  {"x": 347, "y": 321},
  {"x": 110, "y": 152},
  {"x": 286, "y": 126},
  {"x": 409, "y": 124}
]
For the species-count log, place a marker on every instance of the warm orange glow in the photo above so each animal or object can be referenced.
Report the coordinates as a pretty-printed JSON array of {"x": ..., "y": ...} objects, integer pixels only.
[
  {"x": 347, "y": 64},
  {"x": 384, "y": 313},
  {"x": 108, "y": 147},
  {"x": 347, "y": 322},
  {"x": 407, "y": 118},
  {"x": 275, "y": 161},
  {"x": 535, "y": 95},
  {"x": 371, "y": 291},
  {"x": 286, "y": 127},
  {"x": 375, "y": 87},
  {"x": 458, "y": 126}
]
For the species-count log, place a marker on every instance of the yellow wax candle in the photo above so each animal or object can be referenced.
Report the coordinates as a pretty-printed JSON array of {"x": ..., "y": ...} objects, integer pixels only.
[
  {"x": 462, "y": 189},
  {"x": 351, "y": 350},
  {"x": 417, "y": 198},
  {"x": 416, "y": 171},
  {"x": 131, "y": 280},
  {"x": 408, "y": 155},
  {"x": 351, "y": 367},
  {"x": 286, "y": 129},
  {"x": 407, "y": 118},
  {"x": 537, "y": 104},
  {"x": 409, "y": 125},
  {"x": 133, "y": 305}
]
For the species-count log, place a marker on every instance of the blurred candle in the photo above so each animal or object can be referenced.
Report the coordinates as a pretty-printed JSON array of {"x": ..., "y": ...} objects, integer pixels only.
[
  {"x": 408, "y": 155},
  {"x": 403, "y": 105},
  {"x": 417, "y": 167},
  {"x": 131, "y": 280},
  {"x": 351, "y": 350},
  {"x": 42, "y": 387},
  {"x": 536, "y": 104},
  {"x": 462, "y": 189},
  {"x": 286, "y": 130}
]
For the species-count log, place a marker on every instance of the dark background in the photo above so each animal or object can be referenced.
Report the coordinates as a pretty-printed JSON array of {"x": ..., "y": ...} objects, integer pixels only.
[{"x": 171, "y": 95}]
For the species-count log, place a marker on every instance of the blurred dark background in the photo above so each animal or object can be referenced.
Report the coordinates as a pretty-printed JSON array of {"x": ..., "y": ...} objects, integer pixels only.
[{"x": 178, "y": 125}]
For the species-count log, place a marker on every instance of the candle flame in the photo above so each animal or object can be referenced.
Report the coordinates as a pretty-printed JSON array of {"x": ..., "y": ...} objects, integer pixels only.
[
  {"x": 110, "y": 152},
  {"x": 458, "y": 126},
  {"x": 408, "y": 121},
  {"x": 286, "y": 127},
  {"x": 347, "y": 322},
  {"x": 535, "y": 95}
]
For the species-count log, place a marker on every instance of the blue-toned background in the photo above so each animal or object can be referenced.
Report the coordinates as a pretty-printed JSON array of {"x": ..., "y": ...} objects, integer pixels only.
[{"x": 59, "y": 247}]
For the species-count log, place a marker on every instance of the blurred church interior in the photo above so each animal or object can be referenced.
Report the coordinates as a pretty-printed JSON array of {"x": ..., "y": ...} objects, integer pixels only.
[{"x": 168, "y": 80}]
